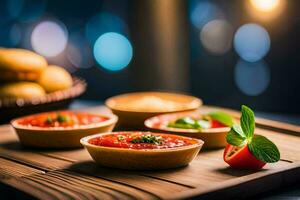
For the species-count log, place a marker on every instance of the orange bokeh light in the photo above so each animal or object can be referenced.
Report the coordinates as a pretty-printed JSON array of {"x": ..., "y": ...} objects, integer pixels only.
[
  {"x": 265, "y": 5},
  {"x": 265, "y": 9}
]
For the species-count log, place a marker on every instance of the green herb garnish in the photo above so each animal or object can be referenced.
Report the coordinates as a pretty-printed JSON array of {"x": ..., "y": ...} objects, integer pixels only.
[
  {"x": 151, "y": 139},
  {"x": 49, "y": 120},
  {"x": 121, "y": 137},
  {"x": 221, "y": 117},
  {"x": 62, "y": 118},
  {"x": 185, "y": 123},
  {"x": 261, "y": 147}
]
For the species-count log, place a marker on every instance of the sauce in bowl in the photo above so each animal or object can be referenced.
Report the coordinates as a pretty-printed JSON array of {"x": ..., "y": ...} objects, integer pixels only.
[
  {"x": 142, "y": 141},
  {"x": 64, "y": 119}
]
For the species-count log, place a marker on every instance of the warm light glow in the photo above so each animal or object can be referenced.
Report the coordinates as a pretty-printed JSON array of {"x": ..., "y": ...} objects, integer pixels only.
[{"x": 265, "y": 5}]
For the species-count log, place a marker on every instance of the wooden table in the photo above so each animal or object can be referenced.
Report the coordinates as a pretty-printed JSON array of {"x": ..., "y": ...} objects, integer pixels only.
[{"x": 71, "y": 174}]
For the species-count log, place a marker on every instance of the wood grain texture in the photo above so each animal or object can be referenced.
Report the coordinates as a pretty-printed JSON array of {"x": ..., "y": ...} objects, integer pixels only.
[{"x": 71, "y": 174}]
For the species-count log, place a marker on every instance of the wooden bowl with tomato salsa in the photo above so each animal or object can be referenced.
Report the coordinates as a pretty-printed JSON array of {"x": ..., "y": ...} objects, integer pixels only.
[
  {"x": 194, "y": 124},
  {"x": 141, "y": 150},
  {"x": 60, "y": 129}
]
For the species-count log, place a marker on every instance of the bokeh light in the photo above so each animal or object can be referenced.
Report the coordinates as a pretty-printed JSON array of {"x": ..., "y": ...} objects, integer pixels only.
[
  {"x": 102, "y": 23},
  {"x": 203, "y": 12},
  {"x": 216, "y": 36},
  {"x": 113, "y": 51},
  {"x": 265, "y": 10},
  {"x": 252, "y": 78},
  {"x": 265, "y": 5},
  {"x": 252, "y": 42},
  {"x": 49, "y": 38},
  {"x": 79, "y": 51}
]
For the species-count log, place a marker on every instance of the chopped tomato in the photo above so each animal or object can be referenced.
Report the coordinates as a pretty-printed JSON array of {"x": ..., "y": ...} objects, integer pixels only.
[
  {"x": 216, "y": 124},
  {"x": 241, "y": 158}
]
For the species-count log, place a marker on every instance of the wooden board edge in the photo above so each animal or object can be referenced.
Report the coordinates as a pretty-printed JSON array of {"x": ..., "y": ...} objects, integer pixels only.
[{"x": 277, "y": 179}]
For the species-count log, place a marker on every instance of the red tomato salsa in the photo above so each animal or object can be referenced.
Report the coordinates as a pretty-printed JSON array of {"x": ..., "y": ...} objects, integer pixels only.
[
  {"x": 139, "y": 140},
  {"x": 61, "y": 119}
]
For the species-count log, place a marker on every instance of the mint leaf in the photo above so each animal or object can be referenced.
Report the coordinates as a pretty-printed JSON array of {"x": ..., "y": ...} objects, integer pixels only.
[
  {"x": 263, "y": 149},
  {"x": 236, "y": 136},
  {"x": 247, "y": 122},
  {"x": 221, "y": 117},
  {"x": 237, "y": 128}
]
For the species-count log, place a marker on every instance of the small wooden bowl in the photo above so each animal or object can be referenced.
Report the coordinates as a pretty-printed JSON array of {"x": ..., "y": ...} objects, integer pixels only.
[
  {"x": 149, "y": 159},
  {"x": 131, "y": 117},
  {"x": 54, "y": 137},
  {"x": 213, "y": 137}
]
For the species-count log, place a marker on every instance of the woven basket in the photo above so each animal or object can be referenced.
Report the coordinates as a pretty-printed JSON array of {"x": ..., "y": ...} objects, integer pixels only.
[{"x": 11, "y": 108}]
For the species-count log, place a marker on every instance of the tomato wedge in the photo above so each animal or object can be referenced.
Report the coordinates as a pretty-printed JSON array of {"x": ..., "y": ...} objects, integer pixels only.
[{"x": 241, "y": 158}]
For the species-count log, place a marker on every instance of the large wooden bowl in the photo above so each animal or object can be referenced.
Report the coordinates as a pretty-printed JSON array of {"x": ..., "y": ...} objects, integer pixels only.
[
  {"x": 213, "y": 137},
  {"x": 133, "y": 117},
  {"x": 54, "y": 137},
  {"x": 12, "y": 108},
  {"x": 133, "y": 159}
]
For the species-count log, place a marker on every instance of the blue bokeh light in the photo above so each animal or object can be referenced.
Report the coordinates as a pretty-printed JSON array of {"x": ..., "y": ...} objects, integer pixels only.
[
  {"x": 102, "y": 23},
  {"x": 252, "y": 78},
  {"x": 113, "y": 51},
  {"x": 202, "y": 12},
  {"x": 252, "y": 42}
]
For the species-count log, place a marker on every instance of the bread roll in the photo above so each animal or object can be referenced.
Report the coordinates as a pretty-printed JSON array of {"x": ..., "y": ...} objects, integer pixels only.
[
  {"x": 55, "y": 78},
  {"x": 21, "y": 90},
  {"x": 20, "y": 65}
]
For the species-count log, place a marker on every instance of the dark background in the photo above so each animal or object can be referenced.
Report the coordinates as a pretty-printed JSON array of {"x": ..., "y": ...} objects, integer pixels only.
[{"x": 167, "y": 52}]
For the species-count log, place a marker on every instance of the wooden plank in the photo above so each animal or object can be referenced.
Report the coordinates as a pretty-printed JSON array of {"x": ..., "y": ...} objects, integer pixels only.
[
  {"x": 206, "y": 166},
  {"x": 10, "y": 169},
  {"x": 74, "y": 160},
  {"x": 160, "y": 188},
  {"x": 246, "y": 186},
  {"x": 14, "y": 152},
  {"x": 71, "y": 174},
  {"x": 69, "y": 185},
  {"x": 11, "y": 149}
]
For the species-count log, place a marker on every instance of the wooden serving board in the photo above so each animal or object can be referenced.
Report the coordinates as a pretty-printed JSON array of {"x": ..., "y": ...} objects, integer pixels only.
[{"x": 71, "y": 174}]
